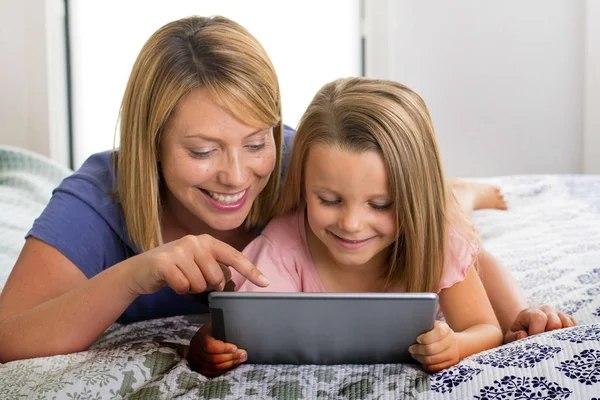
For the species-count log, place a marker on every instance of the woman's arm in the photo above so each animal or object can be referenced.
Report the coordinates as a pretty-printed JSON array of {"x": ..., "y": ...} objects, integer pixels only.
[{"x": 48, "y": 306}]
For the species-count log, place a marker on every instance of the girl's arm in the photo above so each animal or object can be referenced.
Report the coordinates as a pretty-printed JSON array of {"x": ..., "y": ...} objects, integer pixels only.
[
  {"x": 49, "y": 307},
  {"x": 469, "y": 313},
  {"x": 517, "y": 320},
  {"x": 212, "y": 357},
  {"x": 470, "y": 327},
  {"x": 502, "y": 288}
]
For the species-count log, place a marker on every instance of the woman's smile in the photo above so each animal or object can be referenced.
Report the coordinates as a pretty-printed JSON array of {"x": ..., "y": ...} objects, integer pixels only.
[{"x": 226, "y": 201}]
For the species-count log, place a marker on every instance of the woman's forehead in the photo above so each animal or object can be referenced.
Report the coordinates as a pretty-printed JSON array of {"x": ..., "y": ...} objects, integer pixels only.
[{"x": 199, "y": 114}]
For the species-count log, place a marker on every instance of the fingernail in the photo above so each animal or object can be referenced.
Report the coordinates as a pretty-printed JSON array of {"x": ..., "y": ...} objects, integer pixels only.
[
  {"x": 419, "y": 340},
  {"x": 411, "y": 350},
  {"x": 243, "y": 357},
  {"x": 263, "y": 280},
  {"x": 234, "y": 349}
]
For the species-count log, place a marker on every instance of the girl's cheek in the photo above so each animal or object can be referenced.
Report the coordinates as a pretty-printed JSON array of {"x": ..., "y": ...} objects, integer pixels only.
[{"x": 386, "y": 224}]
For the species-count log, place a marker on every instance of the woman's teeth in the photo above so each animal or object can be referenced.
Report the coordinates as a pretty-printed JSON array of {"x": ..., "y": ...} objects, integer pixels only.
[{"x": 226, "y": 199}]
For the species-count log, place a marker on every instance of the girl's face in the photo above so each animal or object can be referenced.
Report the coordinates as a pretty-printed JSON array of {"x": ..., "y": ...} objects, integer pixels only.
[
  {"x": 349, "y": 206},
  {"x": 214, "y": 165}
]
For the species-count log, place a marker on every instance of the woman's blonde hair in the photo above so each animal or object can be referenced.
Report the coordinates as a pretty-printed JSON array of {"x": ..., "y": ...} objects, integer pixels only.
[
  {"x": 358, "y": 115},
  {"x": 214, "y": 53}
]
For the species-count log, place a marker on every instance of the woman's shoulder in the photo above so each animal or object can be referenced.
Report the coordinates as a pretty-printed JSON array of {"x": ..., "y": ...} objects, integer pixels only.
[
  {"x": 84, "y": 219},
  {"x": 94, "y": 184},
  {"x": 98, "y": 171}
]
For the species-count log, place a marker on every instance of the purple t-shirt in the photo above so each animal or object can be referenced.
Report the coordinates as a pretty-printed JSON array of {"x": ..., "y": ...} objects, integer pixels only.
[{"x": 85, "y": 222}]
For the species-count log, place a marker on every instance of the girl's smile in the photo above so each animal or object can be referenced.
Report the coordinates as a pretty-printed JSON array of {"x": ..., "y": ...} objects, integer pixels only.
[{"x": 349, "y": 243}]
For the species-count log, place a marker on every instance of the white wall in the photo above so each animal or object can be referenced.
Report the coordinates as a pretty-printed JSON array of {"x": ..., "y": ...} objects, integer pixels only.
[
  {"x": 503, "y": 79},
  {"x": 513, "y": 87},
  {"x": 591, "y": 125},
  {"x": 33, "y": 93},
  {"x": 310, "y": 43}
]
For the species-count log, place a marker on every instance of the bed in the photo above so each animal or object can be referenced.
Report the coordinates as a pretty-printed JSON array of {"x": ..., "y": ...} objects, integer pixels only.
[{"x": 550, "y": 239}]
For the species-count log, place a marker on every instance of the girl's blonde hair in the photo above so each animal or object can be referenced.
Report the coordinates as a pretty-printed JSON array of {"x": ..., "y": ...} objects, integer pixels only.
[
  {"x": 360, "y": 114},
  {"x": 214, "y": 53}
]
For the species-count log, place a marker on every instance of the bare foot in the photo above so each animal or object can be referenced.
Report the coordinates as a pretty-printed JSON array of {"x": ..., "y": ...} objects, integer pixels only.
[{"x": 478, "y": 196}]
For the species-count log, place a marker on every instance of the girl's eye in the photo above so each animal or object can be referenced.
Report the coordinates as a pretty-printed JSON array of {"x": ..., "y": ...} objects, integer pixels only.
[
  {"x": 381, "y": 207},
  {"x": 329, "y": 203},
  {"x": 201, "y": 154},
  {"x": 255, "y": 147}
]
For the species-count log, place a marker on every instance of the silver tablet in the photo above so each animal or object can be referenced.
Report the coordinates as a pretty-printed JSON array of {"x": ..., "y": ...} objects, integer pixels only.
[{"x": 322, "y": 328}]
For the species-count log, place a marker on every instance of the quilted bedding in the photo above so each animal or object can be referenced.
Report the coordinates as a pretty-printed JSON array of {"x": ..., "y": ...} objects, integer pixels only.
[{"x": 550, "y": 239}]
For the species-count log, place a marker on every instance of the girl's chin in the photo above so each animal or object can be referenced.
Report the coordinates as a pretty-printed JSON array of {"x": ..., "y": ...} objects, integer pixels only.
[{"x": 349, "y": 260}]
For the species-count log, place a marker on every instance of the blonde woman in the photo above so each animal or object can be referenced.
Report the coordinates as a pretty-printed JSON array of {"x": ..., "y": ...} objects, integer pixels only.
[
  {"x": 366, "y": 208},
  {"x": 194, "y": 178},
  {"x": 196, "y": 171}
]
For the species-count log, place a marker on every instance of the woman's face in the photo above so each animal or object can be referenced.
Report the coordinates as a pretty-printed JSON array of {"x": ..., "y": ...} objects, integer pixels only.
[{"x": 214, "y": 166}]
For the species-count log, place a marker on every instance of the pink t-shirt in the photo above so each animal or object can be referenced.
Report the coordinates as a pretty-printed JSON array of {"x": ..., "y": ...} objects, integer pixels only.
[{"x": 281, "y": 253}]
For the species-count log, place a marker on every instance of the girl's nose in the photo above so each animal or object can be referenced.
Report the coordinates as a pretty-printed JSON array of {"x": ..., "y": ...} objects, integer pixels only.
[{"x": 351, "y": 221}]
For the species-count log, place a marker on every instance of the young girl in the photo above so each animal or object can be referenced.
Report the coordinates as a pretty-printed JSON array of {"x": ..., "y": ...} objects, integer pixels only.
[{"x": 366, "y": 208}]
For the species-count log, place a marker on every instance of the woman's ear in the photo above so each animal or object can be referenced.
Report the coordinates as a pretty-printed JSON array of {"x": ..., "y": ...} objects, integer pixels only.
[{"x": 158, "y": 153}]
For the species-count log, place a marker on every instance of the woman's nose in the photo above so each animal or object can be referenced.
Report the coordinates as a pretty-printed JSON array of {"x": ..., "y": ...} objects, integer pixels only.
[{"x": 233, "y": 172}]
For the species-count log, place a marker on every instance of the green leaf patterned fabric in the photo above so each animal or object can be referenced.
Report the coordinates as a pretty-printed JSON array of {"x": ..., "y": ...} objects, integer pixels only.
[{"x": 26, "y": 183}]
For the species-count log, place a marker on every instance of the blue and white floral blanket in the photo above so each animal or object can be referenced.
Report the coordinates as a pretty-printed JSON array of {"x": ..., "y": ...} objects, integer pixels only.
[{"x": 550, "y": 239}]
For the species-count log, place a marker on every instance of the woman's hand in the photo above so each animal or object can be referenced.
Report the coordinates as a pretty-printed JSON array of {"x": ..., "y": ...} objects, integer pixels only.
[
  {"x": 436, "y": 349},
  {"x": 534, "y": 320},
  {"x": 192, "y": 264},
  {"x": 212, "y": 357}
]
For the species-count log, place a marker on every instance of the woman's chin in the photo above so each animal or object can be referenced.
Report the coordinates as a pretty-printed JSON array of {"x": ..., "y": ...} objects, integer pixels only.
[{"x": 226, "y": 221}]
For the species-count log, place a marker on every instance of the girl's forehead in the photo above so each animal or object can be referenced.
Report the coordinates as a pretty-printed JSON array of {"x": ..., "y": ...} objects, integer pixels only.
[
  {"x": 346, "y": 170},
  {"x": 323, "y": 152}
]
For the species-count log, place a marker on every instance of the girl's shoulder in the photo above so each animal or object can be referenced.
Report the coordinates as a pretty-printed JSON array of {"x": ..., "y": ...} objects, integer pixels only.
[
  {"x": 461, "y": 251},
  {"x": 286, "y": 231}
]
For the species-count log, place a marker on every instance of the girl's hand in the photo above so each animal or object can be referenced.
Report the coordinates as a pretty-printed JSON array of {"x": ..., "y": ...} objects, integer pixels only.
[
  {"x": 192, "y": 264},
  {"x": 212, "y": 357},
  {"x": 534, "y": 320},
  {"x": 436, "y": 349}
]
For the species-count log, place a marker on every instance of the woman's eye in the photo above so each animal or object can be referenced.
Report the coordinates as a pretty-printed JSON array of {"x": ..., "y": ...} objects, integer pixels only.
[
  {"x": 201, "y": 154},
  {"x": 329, "y": 203},
  {"x": 255, "y": 147},
  {"x": 381, "y": 207}
]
